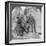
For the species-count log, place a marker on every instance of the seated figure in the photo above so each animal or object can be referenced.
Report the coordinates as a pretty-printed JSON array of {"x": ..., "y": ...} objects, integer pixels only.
[{"x": 19, "y": 27}]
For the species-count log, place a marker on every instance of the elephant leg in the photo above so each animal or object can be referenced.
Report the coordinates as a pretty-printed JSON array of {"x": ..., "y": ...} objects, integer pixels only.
[{"x": 34, "y": 28}]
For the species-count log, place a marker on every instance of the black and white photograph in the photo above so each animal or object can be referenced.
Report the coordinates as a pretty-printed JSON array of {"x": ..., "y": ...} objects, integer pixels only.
[{"x": 24, "y": 22}]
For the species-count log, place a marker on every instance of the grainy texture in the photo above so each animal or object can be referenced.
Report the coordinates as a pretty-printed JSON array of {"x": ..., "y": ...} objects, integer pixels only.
[{"x": 37, "y": 17}]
